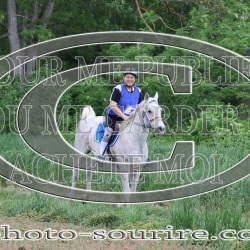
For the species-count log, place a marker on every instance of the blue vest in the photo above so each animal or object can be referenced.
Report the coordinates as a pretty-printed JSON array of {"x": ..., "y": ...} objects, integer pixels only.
[{"x": 127, "y": 99}]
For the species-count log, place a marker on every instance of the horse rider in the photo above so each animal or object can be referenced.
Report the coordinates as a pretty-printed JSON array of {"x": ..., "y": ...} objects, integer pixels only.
[{"x": 123, "y": 100}]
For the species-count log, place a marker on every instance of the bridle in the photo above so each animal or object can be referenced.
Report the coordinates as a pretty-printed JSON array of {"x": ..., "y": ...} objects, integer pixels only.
[
  {"x": 148, "y": 121},
  {"x": 157, "y": 117}
]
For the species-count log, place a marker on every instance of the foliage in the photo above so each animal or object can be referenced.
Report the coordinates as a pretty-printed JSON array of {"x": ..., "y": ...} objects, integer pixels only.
[
  {"x": 224, "y": 23},
  {"x": 220, "y": 23},
  {"x": 164, "y": 16},
  {"x": 10, "y": 97},
  {"x": 219, "y": 125},
  {"x": 38, "y": 31},
  {"x": 217, "y": 23},
  {"x": 1, "y": 16}
]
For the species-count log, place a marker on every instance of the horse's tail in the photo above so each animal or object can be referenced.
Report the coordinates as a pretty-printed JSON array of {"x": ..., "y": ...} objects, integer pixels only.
[{"x": 87, "y": 113}]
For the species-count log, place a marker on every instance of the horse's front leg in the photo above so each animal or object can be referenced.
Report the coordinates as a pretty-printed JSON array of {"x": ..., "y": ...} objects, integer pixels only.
[
  {"x": 126, "y": 187},
  {"x": 125, "y": 182},
  {"x": 135, "y": 177},
  {"x": 136, "y": 173}
]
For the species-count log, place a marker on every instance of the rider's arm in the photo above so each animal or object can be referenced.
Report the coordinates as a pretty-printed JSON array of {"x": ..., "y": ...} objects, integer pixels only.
[
  {"x": 114, "y": 99},
  {"x": 115, "y": 109}
]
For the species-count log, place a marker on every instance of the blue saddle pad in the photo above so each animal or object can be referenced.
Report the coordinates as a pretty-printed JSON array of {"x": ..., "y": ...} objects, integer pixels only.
[{"x": 99, "y": 134}]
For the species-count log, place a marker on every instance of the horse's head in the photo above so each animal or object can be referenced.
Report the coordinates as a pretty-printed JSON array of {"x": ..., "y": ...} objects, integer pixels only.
[{"x": 152, "y": 114}]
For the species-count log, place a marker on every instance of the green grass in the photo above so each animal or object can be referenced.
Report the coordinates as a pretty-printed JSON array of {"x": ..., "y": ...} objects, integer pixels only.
[
  {"x": 15, "y": 151},
  {"x": 227, "y": 208},
  {"x": 213, "y": 212}
]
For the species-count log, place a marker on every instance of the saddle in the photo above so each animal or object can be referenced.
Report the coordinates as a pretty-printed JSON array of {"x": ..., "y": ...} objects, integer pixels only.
[{"x": 99, "y": 134}]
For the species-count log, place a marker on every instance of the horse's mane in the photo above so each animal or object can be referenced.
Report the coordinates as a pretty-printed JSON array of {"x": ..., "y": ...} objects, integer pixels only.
[
  {"x": 139, "y": 107},
  {"x": 122, "y": 125}
]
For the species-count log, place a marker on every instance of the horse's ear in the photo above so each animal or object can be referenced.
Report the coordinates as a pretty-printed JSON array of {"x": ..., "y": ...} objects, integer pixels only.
[
  {"x": 146, "y": 97},
  {"x": 156, "y": 96}
]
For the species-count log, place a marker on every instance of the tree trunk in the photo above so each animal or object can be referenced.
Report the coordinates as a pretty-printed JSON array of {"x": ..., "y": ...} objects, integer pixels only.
[
  {"x": 13, "y": 35},
  {"x": 15, "y": 41},
  {"x": 48, "y": 9},
  {"x": 31, "y": 52}
]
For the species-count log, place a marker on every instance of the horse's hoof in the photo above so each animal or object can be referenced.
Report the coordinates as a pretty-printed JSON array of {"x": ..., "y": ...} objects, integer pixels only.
[{"x": 101, "y": 157}]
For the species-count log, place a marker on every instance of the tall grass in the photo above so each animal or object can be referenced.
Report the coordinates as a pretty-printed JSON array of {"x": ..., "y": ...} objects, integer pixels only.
[
  {"x": 227, "y": 208},
  {"x": 15, "y": 151}
]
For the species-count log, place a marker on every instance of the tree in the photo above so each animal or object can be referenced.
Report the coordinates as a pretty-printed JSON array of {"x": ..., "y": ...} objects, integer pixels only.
[
  {"x": 224, "y": 23},
  {"x": 13, "y": 35},
  {"x": 27, "y": 26},
  {"x": 164, "y": 15}
]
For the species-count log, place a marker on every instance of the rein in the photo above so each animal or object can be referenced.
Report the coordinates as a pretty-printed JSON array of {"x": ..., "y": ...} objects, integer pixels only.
[{"x": 148, "y": 121}]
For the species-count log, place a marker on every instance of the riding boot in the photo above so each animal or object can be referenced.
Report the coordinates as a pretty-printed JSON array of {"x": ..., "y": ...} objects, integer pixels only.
[
  {"x": 104, "y": 142},
  {"x": 103, "y": 147}
]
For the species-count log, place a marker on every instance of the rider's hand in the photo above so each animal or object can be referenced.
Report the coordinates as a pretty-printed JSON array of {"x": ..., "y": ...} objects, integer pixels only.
[{"x": 125, "y": 117}]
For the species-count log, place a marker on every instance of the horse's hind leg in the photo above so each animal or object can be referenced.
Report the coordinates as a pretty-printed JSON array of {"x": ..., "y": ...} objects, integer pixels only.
[
  {"x": 88, "y": 179},
  {"x": 76, "y": 171},
  {"x": 75, "y": 177},
  {"x": 78, "y": 161}
]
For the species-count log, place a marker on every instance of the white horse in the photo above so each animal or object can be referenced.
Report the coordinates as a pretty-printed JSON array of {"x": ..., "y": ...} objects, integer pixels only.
[{"x": 132, "y": 142}]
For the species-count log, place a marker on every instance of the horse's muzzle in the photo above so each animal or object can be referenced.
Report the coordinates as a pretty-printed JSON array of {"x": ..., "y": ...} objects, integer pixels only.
[{"x": 160, "y": 130}]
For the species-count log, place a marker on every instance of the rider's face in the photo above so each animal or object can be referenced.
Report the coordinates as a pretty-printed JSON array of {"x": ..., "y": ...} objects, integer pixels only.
[{"x": 129, "y": 80}]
